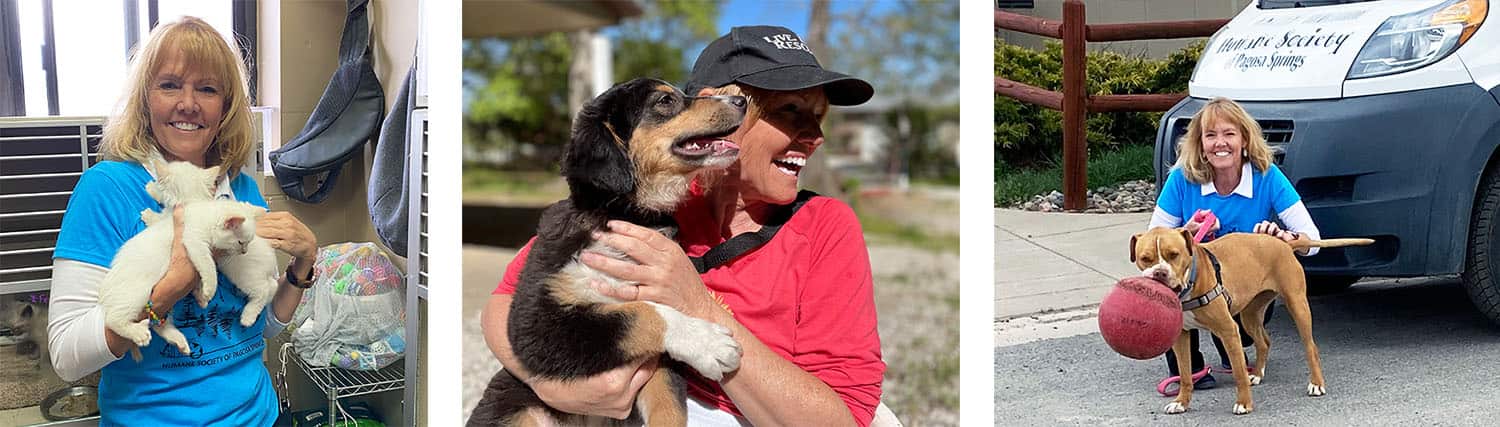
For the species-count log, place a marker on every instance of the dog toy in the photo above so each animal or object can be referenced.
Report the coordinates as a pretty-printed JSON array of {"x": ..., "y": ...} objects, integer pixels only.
[{"x": 1140, "y": 318}]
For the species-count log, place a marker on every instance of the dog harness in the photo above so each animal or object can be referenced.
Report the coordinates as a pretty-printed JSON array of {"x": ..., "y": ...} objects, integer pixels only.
[{"x": 1189, "y": 304}]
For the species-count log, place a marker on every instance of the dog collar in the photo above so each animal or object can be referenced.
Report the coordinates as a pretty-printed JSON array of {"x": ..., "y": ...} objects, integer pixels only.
[{"x": 1193, "y": 303}]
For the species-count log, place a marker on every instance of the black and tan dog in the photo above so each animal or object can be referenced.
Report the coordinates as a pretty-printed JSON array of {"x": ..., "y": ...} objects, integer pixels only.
[
  {"x": 1239, "y": 273},
  {"x": 633, "y": 152}
]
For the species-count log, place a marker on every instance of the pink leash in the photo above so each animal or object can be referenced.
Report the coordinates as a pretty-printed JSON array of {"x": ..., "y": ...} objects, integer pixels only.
[
  {"x": 1206, "y": 221},
  {"x": 1173, "y": 380}
]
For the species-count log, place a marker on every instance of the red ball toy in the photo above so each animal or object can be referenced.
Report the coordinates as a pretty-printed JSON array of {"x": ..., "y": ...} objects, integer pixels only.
[{"x": 1140, "y": 318}]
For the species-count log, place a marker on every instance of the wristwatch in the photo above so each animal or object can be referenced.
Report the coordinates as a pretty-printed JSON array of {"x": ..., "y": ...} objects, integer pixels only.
[{"x": 300, "y": 283}]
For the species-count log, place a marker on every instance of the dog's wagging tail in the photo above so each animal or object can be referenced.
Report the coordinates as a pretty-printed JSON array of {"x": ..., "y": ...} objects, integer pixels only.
[{"x": 633, "y": 152}]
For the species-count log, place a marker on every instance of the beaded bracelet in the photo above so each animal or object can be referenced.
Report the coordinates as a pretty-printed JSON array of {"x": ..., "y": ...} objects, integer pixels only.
[{"x": 155, "y": 320}]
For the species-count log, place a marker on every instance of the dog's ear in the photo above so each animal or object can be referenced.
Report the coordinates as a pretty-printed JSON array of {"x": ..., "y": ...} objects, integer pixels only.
[
  {"x": 1132, "y": 246},
  {"x": 1187, "y": 239},
  {"x": 595, "y": 162}
]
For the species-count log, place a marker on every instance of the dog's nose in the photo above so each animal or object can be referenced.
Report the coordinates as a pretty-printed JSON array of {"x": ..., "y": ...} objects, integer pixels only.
[{"x": 1159, "y": 275}]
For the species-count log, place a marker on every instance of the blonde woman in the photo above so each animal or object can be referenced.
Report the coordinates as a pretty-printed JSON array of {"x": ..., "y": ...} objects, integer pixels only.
[
  {"x": 1224, "y": 166},
  {"x": 185, "y": 100}
]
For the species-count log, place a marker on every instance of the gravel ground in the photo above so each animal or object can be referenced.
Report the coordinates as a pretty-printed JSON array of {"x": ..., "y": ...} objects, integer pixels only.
[
  {"x": 1130, "y": 196},
  {"x": 916, "y": 295}
]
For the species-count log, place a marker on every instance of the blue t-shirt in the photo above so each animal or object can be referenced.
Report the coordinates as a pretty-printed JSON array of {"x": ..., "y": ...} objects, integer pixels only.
[
  {"x": 1270, "y": 193},
  {"x": 224, "y": 381}
]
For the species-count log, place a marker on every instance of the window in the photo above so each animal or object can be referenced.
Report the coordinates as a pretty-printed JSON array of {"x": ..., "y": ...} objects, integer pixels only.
[{"x": 90, "y": 47}]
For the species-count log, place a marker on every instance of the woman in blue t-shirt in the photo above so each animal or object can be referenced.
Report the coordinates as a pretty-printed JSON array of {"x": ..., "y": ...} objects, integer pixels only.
[
  {"x": 185, "y": 100},
  {"x": 1224, "y": 166}
]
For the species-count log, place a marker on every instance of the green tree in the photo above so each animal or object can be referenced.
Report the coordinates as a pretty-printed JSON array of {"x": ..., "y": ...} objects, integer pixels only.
[
  {"x": 911, "y": 49},
  {"x": 909, "y": 53},
  {"x": 516, "y": 89},
  {"x": 654, "y": 45}
]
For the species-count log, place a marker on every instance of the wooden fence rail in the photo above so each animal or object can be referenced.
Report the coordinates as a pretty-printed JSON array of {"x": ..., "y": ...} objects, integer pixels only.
[{"x": 1074, "y": 100}]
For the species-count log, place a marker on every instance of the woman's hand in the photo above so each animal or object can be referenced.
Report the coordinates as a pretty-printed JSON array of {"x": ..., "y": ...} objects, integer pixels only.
[
  {"x": 1194, "y": 224},
  {"x": 1270, "y": 228},
  {"x": 609, "y": 394},
  {"x": 287, "y": 234},
  {"x": 664, "y": 273},
  {"x": 181, "y": 277}
]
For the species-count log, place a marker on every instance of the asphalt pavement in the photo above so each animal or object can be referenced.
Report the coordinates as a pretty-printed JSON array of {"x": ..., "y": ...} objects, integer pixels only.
[{"x": 1394, "y": 352}]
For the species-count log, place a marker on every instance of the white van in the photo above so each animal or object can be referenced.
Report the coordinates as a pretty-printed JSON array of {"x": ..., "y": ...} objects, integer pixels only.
[{"x": 1385, "y": 115}]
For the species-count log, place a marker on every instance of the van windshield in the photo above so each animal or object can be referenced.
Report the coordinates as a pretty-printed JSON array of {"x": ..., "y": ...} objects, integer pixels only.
[{"x": 1283, "y": 4}]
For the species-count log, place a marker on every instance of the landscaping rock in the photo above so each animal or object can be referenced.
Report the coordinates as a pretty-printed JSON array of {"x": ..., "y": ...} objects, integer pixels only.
[{"x": 1130, "y": 196}]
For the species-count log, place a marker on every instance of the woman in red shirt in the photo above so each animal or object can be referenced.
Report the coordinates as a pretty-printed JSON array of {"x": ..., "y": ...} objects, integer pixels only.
[{"x": 801, "y": 306}]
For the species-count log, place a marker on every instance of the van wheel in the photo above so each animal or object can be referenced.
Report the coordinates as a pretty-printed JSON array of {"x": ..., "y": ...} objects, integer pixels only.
[
  {"x": 1328, "y": 285},
  {"x": 1483, "y": 262}
]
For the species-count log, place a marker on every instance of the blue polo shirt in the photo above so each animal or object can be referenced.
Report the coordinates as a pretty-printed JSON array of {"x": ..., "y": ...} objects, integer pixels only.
[
  {"x": 224, "y": 381},
  {"x": 1259, "y": 197}
]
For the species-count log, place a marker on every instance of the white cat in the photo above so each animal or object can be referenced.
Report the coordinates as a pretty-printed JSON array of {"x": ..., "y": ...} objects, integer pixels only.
[
  {"x": 254, "y": 272},
  {"x": 142, "y": 261},
  {"x": 183, "y": 182},
  {"x": 179, "y": 182}
]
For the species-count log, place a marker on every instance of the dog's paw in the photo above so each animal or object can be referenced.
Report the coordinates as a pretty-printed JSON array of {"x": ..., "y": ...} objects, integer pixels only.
[
  {"x": 715, "y": 353},
  {"x": 1255, "y": 379},
  {"x": 1316, "y": 390},
  {"x": 1175, "y": 407},
  {"x": 202, "y": 298},
  {"x": 1242, "y": 409}
]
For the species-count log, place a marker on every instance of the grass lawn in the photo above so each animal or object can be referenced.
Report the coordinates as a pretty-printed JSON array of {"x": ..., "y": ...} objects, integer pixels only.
[
  {"x": 513, "y": 186},
  {"x": 883, "y": 230},
  {"x": 1110, "y": 168}
]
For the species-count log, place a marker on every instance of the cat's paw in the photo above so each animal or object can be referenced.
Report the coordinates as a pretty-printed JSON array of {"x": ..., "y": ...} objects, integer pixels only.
[
  {"x": 137, "y": 332},
  {"x": 181, "y": 344},
  {"x": 202, "y": 296},
  {"x": 250, "y": 315},
  {"x": 252, "y": 312}
]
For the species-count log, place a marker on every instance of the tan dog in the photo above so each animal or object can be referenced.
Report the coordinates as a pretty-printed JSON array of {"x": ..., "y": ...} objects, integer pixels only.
[{"x": 1254, "y": 268}]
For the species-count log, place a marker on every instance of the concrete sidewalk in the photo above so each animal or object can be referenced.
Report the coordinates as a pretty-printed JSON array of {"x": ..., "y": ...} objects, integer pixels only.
[{"x": 1048, "y": 262}]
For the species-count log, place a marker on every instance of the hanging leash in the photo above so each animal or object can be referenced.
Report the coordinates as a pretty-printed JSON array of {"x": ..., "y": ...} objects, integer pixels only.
[{"x": 280, "y": 381}]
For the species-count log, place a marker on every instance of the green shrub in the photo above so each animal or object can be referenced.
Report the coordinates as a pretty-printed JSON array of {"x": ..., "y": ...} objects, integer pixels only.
[{"x": 1029, "y": 136}]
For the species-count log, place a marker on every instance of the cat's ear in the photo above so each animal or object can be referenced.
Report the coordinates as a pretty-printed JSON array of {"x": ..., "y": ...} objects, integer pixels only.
[
  {"x": 253, "y": 211},
  {"x": 234, "y": 222}
]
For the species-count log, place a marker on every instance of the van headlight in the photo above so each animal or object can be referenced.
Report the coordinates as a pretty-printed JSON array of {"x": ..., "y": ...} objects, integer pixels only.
[{"x": 1407, "y": 42}]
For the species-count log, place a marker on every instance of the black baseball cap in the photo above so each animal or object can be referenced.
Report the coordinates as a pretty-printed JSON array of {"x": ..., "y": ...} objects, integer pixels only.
[{"x": 773, "y": 58}]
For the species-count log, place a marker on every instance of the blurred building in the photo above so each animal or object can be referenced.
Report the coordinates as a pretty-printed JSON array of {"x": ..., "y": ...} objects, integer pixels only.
[{"x": 872, "y": 142}]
